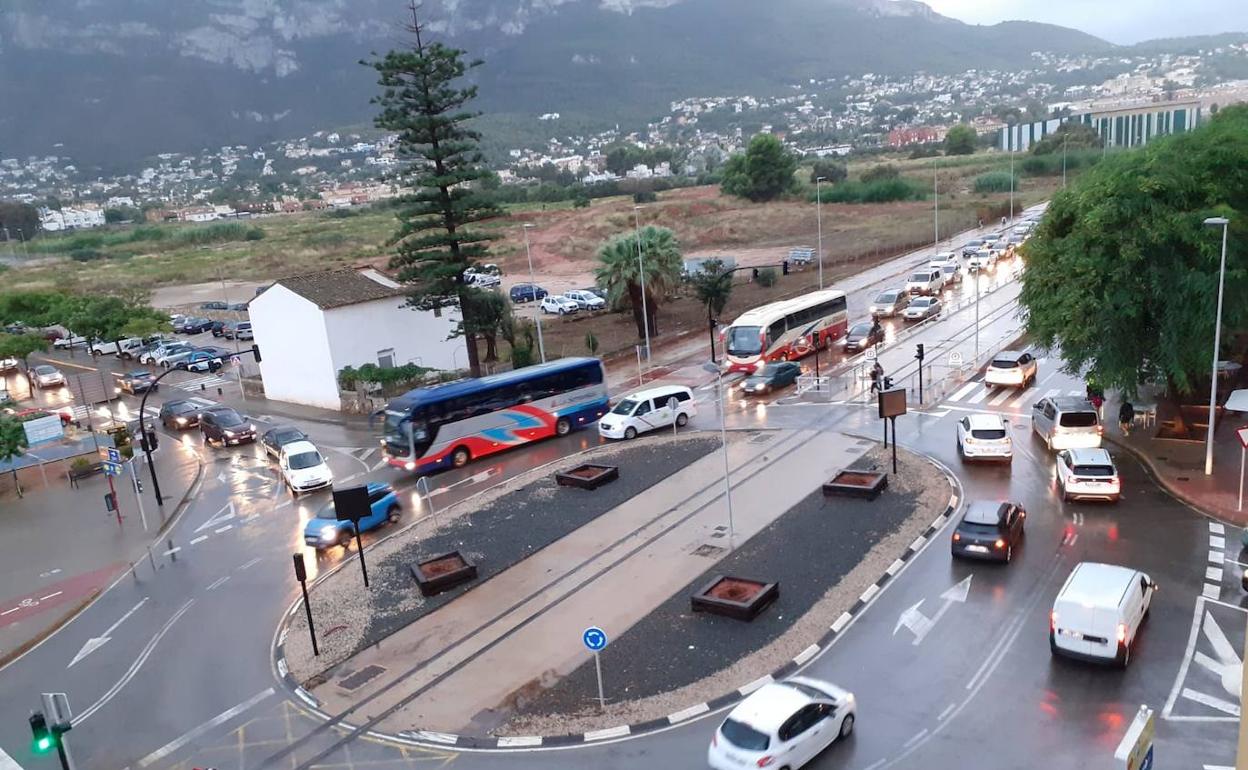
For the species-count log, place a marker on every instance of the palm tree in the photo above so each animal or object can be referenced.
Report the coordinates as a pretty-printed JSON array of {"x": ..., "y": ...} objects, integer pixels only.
[{"x": 619, "y": 274}]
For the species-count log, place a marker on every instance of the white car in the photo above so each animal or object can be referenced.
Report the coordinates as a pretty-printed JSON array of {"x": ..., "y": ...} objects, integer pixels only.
[
  {"x": 304, "y": 468},
  {"x": 67, "y": 342},
  {"x": 951, "y": 272},
  {"x": 171, "y": 355},
  {"x": 648, "y": 410},
  {"x": 8, "y": 364},
  {"x": 982, "y": 260},
  {"x": 783, "y": 724},
  {"x": 984, "y": 437},
  {"x": 481, "y": 280},
  {"x": 560, "y": 305},
  {"x": 45, "y": 376},
  {"x": 921, "y": 309},
  {"x": 1012, "y": 368},
  {"x": 925, "y": 280},
  {"x": 1087, "y": 474},
  {"x": 586, "y": 300}
]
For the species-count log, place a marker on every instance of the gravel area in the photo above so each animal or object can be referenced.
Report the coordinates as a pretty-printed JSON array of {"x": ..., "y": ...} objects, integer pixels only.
[
  {"x": 824, "y": 552},
  {"x": 494, "y": 529}
]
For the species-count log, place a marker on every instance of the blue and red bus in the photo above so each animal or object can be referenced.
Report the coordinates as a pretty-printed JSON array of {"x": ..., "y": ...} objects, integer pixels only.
[{"x": 447, "y": 425}]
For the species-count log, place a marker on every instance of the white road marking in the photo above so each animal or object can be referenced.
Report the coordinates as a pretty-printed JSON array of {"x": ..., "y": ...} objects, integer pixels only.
[
  {"x": 610, "y": 732},
  {"x": 1214, "y": 574},
  {"x": 867, "y": 595},
  {"x": 757, "y": 683},
  {"x": 49, "y": 573},
  {"x": 446, "y": 738},
  {"x": 915, "y": 738},
  {"x": 198, "y": 540},
  {"x": 220, "y": 517},
  {"x": 892, "y": 568},
  {"x": 134, "y": 667},
  {"x": 806, "y": 654},
  {"x": 1076, "y": 393},
  {"x": 1217, "y": 557},
  {"x": 226, "y": 528},
  {"x": 980, "y": 396},
  {"x": 1217, "y": 542},
  {"x": 96, "y": 642},
  {"x": 249, "y": 564},
  {"x": 52, "y": 595},
  {"x": 224, "y": 716},
  {"x": 514, "y": 741},
  {"x": 1000, "y": 398},
  {"x": 282, "y": 504},
  {"x": 1216, "y": 528},
  {"x": 381, "y": 464},
  {"x": 962, "y": 391},
  {"x": 173, "y": 550},
  {"x": 6, "y": 612},
  {"x": 1212, "y": 591},
  {"x": 841, "y": 622},
  {"x": 945, "y": 713},
  {"x": 1212, "y": 702},
  {"x": 1051, "y": 392},
  {"x": 1026, "y": 395},
  {"x": 217, "y": 583}
]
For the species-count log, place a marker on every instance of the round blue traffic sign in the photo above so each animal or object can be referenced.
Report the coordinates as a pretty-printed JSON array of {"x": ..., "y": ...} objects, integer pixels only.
[{"x": 595, "y": 638}]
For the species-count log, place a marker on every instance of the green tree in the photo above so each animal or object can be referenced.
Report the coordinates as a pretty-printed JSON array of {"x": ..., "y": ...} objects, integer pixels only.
[
  {"x": 33, "y": 308},
  {"x": 591, "y": 343},
  {"x": 1072, "y": 136},
  {"x": 487, "y": 311},
  {"x": 110, "y": 318},
  {"x": 18, "y": 221},
  {"x": 422, "y": 101},
  {"x": 832, "y": 171},
  {"x": 712, "y": 285},
  {"x": 1122, "y": 275},
  {"x": 20, "y": 346},
  {"x": 619, "y": 272},
  {"x": 764, "y": 172},
  {"x": 960, "y": 140},
  {"x": 12, "y": 438}
]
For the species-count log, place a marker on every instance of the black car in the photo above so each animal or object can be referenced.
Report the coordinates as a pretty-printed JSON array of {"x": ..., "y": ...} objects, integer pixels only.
[
  {"x": 139, "y": 381},
  {"x": 527, "y": 292},
  {"x": 217, "y": 327},
  {"x": 213, "y": 306},
  {"x": 176, "y": 415},
  {"x": 862, "y": 336},
  {"x": 195, "y": 325},
  {"x": 225, "y": 426},
  {"x": 275, "y": 438},
  {"x": 990, "y": 529},
  {"x": 239, "y": 306},
  {"x": 228, "y": 329},
  {"x": 771, "y": 377},
  {"x": 970, "y": 248}
]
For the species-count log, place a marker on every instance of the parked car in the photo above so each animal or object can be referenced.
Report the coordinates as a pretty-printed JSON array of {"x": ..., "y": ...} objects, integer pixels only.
[
  {"x": 482, "y": 280},
  {"x": 240, "y": 307},
  {"x": 984, "y": 437},
  {"x": 926, "y": 281},
  {"x": 863, "y": 335},
  {"x": 228, "y": 328},
  {"x": 64, "y": 343},
  {"x": 1087, "y": 474},
  {"x": 194, "y": 325},
  {"x": 989, "y": 529},
  {"x": 139, "y": 381},
  {"x": 46, "y": 376},
  {"x": 647, "y": 410},
  {"x": 199, "y": 361},
  {"x": 586, "y": 300},
  {"x": 771, "y": 377},
  {"x": 213, "y": 306},
  {"x": 217, "y": 328},
  {"x": 597, "y": 292},
  {"x": 325, "y": 531},
  {"x": 921, "y": 309},
  {"x": 226, "y": 356},
  {"x": 277, "y": 437},
  {"x": 785, "y": 724},
  {"x": 527, "y": 292},
  {"x": 1012, "y": 368},
  {"x": 152, "y": 355},
  {"x": 243, "y": 331},
  {"x": 304, "y": 468},
  {"x": 1066, "y": 422},
  {"x": 225, "y": 426},
  {"x": 560, "y": 305},
  {"x": 1099, "y": 611},
  {"x": 170, "y": 357},
  {"x": 179, "y": 414},
  {"x": 9, "y": 364},
  {"x": 108, "y": 347},
  {"x": 889, "y": 303}
]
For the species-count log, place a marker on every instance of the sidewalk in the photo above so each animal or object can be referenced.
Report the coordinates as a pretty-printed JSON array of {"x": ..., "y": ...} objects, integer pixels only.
[
  {"x": 1180, "y": 465},
  {"x": 59, "y": 547}
]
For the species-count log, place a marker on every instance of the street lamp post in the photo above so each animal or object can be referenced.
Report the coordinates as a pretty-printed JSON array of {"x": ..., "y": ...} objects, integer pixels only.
[
  {"x": 936, "y": 206},
  {"x": 641, "y": 269},
  {"x": 1011, "y": 182},
  {"x": 819, "y": 224},
  {"x": 723, "y": 439},
  {"x": 978, "y": 272},
  {"x": 1222, "y": 222},
  {"x": 541, "y": 346}
]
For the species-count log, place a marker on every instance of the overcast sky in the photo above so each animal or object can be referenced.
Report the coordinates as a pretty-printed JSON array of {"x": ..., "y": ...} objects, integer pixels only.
[{"x": 1118, "y": 21}]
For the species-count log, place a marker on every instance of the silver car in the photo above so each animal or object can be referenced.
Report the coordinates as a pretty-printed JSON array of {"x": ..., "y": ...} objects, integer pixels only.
[{"x": 889, "y": 303}]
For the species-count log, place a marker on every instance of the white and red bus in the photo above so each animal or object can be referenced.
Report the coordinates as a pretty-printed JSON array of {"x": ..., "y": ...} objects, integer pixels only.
[{"x": 785, "y": 330}]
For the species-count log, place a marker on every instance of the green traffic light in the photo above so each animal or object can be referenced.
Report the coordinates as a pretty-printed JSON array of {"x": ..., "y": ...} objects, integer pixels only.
[{"x": 43, "y": 745}]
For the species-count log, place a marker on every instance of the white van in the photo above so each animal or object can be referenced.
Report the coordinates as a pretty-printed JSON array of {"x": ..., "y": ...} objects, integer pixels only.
[
  {"x": 648, "y": 410},
  {"x": 1097, "y": 614},
  {"x": 926, "y": 280}
]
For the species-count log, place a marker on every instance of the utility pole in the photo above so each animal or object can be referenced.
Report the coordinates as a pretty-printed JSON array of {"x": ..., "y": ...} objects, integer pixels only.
[
  {"x": 641, "y": 269},
  {"x": 819, "y": 225},
  {"x": 541, "y": 346},
  {"x": 936, "y": 205}
]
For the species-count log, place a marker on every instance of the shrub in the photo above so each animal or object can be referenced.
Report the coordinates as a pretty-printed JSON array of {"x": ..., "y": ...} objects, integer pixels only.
[
  {"x": 995, "y": 181},
  {"x": 882, "y": 171},
  {"x": 644, "y": 196},
  {"x": 86, "y": 255},
  {"x": 591, "y": 343},
  {"x": 580, "y": 201},
  {"x": 880, "y": 191},
  {"x": 767, "y": 277},
  {"x": 340, "y": 214},
  {"x": 254, "y": 234}
]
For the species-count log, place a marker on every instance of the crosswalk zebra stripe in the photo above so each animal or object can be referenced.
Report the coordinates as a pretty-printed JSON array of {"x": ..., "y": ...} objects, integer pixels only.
[
  {"x": 998, "y": 399},
  {"x": 1052, "y": 392},
  {"x": 1026, "y": 395},
  {"x": 980, "y": 396},
  {"x": 967, "y": 388},
  {"x": 1075, "y": 393}
]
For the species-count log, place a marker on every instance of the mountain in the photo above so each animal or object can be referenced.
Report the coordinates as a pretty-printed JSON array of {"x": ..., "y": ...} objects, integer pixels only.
[{"x": 109, "y": 81}]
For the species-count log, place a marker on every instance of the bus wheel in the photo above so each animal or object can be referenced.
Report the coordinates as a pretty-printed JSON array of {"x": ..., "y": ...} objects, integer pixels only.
[
  {"x": 460, "y": 457},
  {"x": 562, "y": 427}
]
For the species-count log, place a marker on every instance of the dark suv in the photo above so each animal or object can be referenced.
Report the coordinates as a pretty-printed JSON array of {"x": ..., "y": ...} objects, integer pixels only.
[
  {"x": 225, "y": 426},
  {"x": 527, "y": 292}
]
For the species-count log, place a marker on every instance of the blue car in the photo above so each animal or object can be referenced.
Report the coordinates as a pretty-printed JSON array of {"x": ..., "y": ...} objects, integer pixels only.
[{"x": 325, "y": 531}]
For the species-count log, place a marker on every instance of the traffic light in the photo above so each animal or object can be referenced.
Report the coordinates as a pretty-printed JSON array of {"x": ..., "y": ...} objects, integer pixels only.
[
  {"x": 919, "y": 352},
  {"x": 255, "y": 351},
  {"x": 138, "y": 484},
  {"x": 42, "y": 739},
  {"x": 888, "y": 383},
  {"x": 149, "y": 442},
  {"x": 110, "y": 504},
  {"x": 784, "y": 266}
]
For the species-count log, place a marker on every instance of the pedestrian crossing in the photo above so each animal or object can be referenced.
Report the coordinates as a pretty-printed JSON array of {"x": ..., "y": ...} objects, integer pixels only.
[
  {"x": 975, "y": 393},
  {"x": 207, "y": 382}
]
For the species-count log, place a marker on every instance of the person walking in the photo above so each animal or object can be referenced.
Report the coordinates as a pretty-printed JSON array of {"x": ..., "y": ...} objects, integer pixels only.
[
  {"x": 877, "y": 378},
  {"x": 1126, "y": 417}
]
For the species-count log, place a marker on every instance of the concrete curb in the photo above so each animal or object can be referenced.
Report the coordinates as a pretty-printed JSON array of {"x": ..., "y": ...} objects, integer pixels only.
[
  {"x": 439, "y": 740},
  {"x": 1169, "y": 486}
]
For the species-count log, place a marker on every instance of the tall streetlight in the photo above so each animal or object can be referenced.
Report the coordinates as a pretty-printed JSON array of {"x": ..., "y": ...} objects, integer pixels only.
[
  {"x": 936, "y": 207},
  {"x": 819, "y": 223},
  {"x": 641, "y": 269},
  {"x": 978, "y": 272},
  {"x": 1011, "y": 180},
  {"x": 723, "y": 440},
  {"x": 1217, "y": 340},
  {"x": 541, "y": 346}
]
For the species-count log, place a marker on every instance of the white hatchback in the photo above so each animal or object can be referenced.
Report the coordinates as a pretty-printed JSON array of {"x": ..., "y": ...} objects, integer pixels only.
[
  {"x": 1087, "y": 474},
  {"x": 785, "y": 724},
  {"x": 304, "y": 468},
  {"x": 648, "y": 410},
  {"x": 984, "y": 437},
  {"x": 560, "y": 305}
]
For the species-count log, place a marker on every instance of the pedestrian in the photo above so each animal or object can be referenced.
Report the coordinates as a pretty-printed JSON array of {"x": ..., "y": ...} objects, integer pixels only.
[
  {"x": 877, "y": 377},
  {"x": 877, "y": 331},
  {"x": 1126, "y": 416},
  {"x": 1003, "y": 221}
]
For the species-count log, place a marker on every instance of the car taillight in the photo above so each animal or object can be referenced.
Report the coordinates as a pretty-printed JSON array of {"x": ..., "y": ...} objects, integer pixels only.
[
  {"x": 1122, "y": 632},
  {"x": 765, "y": 761},
  {"x": 715, "y": 738},
  {"x": 1000, "y": 543},
  {"x": 956, "y": 537},
  {"x": 1100, "y": 430},
  {"x": 1052, "y": 620}
]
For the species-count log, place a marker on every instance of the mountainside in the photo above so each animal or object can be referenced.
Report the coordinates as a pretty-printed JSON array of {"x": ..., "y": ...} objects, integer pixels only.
[{"x": 113, "y": 80}]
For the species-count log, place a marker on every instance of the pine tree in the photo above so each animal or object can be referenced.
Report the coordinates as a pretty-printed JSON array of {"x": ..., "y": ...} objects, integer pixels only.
[{"x": 443, "y": 168}]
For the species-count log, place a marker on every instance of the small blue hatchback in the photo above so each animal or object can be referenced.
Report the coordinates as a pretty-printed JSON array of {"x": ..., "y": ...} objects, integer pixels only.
[{"x": 324, "y": 530}]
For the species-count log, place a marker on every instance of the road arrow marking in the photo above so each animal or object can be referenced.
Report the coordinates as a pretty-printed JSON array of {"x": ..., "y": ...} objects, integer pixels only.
[
  {"x": 919, "y": 624},
  {"x": 220, "y": 517},
  {"x": 221, "y": 477},
  {"x": 96, "y": 642}
]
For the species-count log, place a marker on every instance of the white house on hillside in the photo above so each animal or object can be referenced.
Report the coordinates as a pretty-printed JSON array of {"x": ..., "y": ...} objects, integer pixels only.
[{"x": 311, "y": 326}]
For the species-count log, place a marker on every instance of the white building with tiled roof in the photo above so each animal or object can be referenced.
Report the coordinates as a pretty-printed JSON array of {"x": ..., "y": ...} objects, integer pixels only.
[{"x": 311, "y": 326}]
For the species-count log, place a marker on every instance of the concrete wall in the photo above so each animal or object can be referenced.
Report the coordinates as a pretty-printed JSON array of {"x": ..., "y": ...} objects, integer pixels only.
[
  {"x": 359, "y": 333},
  {"x": 297, "y": 365}
]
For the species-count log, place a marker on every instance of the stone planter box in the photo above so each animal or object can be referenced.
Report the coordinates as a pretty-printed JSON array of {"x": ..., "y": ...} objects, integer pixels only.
[
  {"x": 734, "y": 597},
  {"x": 438, "y": 573},
  {"x": 588, "y": 476},
  {"x": 862, "y": 484}
]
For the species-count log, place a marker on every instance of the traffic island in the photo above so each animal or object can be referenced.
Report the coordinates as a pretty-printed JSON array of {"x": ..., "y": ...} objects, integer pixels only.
[
  {"x": 853, "y": 483},
  {"x": 735, "y": 597},
  {"x": 442, "y": 572},
  {"x": 587, "y": 476}
]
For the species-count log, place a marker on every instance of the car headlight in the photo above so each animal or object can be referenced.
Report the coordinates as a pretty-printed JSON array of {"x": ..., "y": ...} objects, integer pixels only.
[
  {"x": 252, "y": 426},
  {"x": 230, "y": 433},
  {"x": 329, "y": 533},
  {"x": 409, "y": 465},
  {"x": 181, "y": 421}
]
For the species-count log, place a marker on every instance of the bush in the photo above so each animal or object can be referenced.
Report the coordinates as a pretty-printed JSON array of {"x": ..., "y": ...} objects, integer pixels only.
[
  {"x": 995, "y": 181},
  {"x": 767, "y": 277},
  {"x": 254, "y": 234},
  {"x": 340, "y": 214},
  {"x": 880, "y": 191},
  {"x": 521, "y": 357},
  {"x": 86, "y": 255},
  {"x": 644, "y": 196},
  {"x": 877, "y": 173},
  {"x": 349, "y": 377},
  {"x": 580, "y": 201}
]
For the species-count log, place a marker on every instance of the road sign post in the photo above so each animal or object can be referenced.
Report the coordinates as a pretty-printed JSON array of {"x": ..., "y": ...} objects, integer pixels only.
[
  {"x": 595, "y": 640},
  {"x": 301, "y": 574},
  {"x": 1135, "y": 752},
  {"x": 138, "y": 491},
  {"x": 351, "y": 504},
  {"x": 113, "y": 468},
  {"x": 1242, "y": 433}
]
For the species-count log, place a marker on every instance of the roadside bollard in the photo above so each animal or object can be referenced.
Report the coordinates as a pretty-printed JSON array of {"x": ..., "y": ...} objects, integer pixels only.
[
  {"x": 173, "y": 554},
  {"x": 151, "y": 558}
]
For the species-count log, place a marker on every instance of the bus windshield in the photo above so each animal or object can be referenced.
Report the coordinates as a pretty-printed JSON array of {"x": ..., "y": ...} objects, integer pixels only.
[{"x": 744, "y": 341}]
